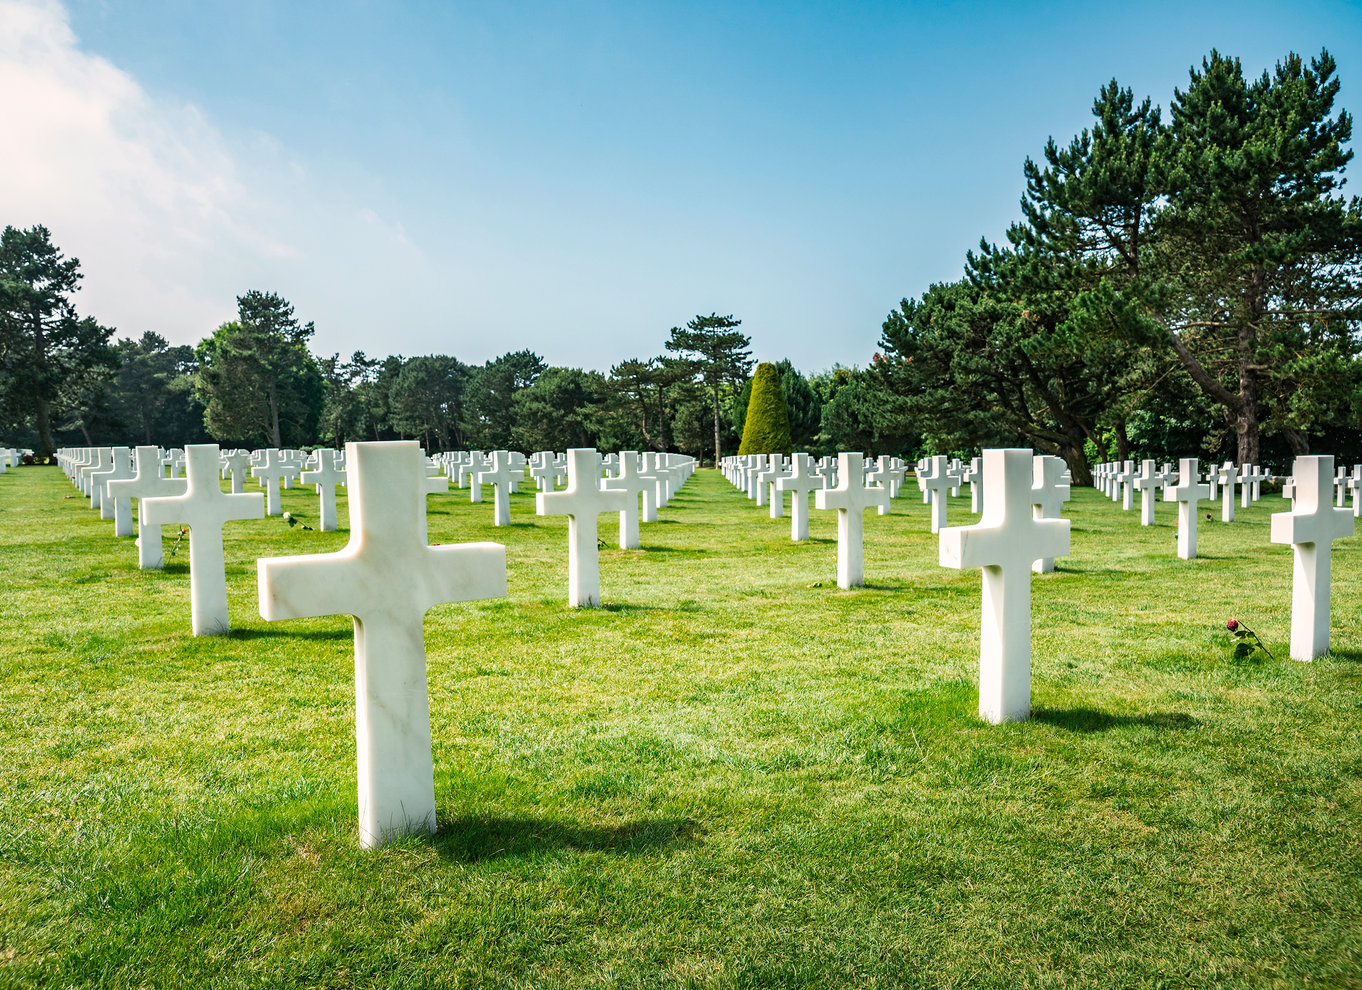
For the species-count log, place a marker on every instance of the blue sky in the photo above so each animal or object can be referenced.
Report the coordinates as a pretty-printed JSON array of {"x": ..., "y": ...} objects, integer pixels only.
[{"x": 575, "y": 178}]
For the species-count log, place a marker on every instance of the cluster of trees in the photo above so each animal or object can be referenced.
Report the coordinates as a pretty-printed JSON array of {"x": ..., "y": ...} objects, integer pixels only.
[
  {"x": 254, "y": 382},
  {"x": 1194, "y": 284},
  {"x": 1175, "y": 287}
]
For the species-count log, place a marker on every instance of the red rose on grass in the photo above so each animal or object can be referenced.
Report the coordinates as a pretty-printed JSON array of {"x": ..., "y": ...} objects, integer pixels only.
[{"x": 1232, "y": 625}]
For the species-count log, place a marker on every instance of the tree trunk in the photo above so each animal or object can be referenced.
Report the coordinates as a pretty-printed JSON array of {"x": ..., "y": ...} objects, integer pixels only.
[
  {"x": 1297, "y": 441},
  {"x": 716, "y": 429},
  {"x": 1074, "y": 457},
  {"x": 45, "y": 427},
  {"x": 1122, "y": 442},
  {"x": 274, "y": 418}
]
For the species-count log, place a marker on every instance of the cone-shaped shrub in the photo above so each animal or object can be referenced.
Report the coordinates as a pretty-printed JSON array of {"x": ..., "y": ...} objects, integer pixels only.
[{"x": 767, "y": 429}]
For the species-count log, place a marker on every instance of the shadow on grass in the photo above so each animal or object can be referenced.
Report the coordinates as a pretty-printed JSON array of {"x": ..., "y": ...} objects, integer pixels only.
[
  {"x": 631, "y": 608},
  {"x": 1351, "y": 656},
  {"x": 470, "y": 840},
  {"x": 1094, "y": 720},
  {"x": 674, "y": 551},
  {"x": 348, "y": 633}
]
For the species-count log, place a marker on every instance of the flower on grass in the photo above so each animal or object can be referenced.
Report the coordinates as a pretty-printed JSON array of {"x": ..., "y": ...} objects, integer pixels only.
[{"x": 1246, "y": 641}]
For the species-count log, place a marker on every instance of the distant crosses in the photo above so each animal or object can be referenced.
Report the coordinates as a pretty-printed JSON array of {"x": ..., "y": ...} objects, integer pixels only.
[
  {"x": 1124, "y": 478},
  {"x": 498, "y": 474},
  {"x": 236, "y": 464},
  {"x": 204, "y": 508},
  {"x": 1005, "y": 543},
  {"x": 799, "y": 482},
  {"x": 974, "y": 474},
  {"x": 1187, "y": 493},
  {"x": 147, "y": 482},
  {"x": 1049, "y": 492},
  {"x": 387, "y": 578},
  {"x": 633, "y": 481},
  {"x": 1311, "y": 527},
  {"x": 119, "y": 510},
  {"x": 1228, "y": 475},
  {"x": 326, "y": 474},
  {"x": 1355, "y": 487},
  {"x": 850, "y": 498},
  {"x": 1148, "y": 482},
  {"x": 937, "y": 482},
  {"x": 582, "y": 501},
  {"x": 273, "y": 468},
  {"x": 768, "y": 479}
]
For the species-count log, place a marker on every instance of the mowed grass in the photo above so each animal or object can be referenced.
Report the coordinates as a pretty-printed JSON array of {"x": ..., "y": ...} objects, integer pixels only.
[{"x": 732, "y": 775}]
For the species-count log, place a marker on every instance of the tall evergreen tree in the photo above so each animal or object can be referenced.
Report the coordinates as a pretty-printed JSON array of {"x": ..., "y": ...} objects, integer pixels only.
[
  {"x": 718, "y": 352},
  {"x": 48, "y": 354},
  {"x": 257, "y": 380}
]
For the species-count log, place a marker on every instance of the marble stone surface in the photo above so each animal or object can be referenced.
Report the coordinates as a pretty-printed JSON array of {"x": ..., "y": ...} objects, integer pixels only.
[
  {"x": 1187, "y": 493},
  {"x": 205, "y": 508},
  {"x": 850, "y": 498},
  {"x": 635, "y": 482},
  {"x": 1310, "y": 528},
  {"x": 326, "y": 474},
  {"x": 386, "y": 578},
  {"x": 1005, "y": 543},
  {"x": 582, "y": 501},
  {"x": 799, "y": 483},
  {"x": 148, "y": 482}
]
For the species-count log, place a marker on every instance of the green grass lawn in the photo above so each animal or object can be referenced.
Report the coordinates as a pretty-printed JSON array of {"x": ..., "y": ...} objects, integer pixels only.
[{"x": 732, "y": 775}]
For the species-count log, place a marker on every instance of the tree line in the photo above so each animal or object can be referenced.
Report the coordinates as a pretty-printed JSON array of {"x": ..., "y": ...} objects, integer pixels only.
[
  {"x": 255, "y": 382},
  {"x": 1197, "y": 279},
  {"x": 1179, "y": 287}
]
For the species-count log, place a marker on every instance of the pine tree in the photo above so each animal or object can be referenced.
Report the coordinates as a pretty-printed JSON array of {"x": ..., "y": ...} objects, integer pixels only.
[{"x": 766, "y": 429}]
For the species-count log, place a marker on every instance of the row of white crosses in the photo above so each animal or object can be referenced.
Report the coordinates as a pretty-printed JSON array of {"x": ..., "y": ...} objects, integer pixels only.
[{"x": 11, "y": 457}]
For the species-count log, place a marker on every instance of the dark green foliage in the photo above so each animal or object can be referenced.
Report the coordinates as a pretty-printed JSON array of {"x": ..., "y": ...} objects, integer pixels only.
[
  {"x": 564, "y": 408},
  {"x": 766, "y": 428},
  {"x": 151, "y": 399},
  {"x": 258, "y": 383},
  {"x": 717, "y": 353},
  {"x": 860, "y": 414},
  {"x": 804, "y": 407},
  {"x": 426, "y": 401},
  {"x": 52, "y": 361},
  {"x": 489, "y": 423}
]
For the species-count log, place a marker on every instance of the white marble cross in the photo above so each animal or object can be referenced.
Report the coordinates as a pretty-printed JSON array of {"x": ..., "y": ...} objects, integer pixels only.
[
  {"x": 1228, "y": 475},
  {"x": 1049, "y": 492},
  {"x": 147, "y": 482},
  {"x": 102, "y": 462},
  {"x": 974, "y": 474},
  {"x": 768, "y": 481},
  {"x": 936, "y": 484},
  {"x": 1187, "y": 493},
  {"x": 204, "y": 508},
  {"x": 119, "y": 510},
  {"x": 326, "y": 475},
  {"x": 498, "y": 474},
  {"x": 386, "y": 578},
  {"x": 294, "y": 461},
  {"x": 850, "y": 498},
  {"x": 1124, "y": 478},
  {"x": 634, "y": 482},
  {"x": 271, "y": 471},
  {"x": 799, "y": 482},
  {"x": 1005, "y": 543},
  {"x": 1355, "y": 486},
  {"x": 1148, "y": 483},
  {"x": 236, "y": 464},
  {"x": 582, "y": 501},
  {"x": 1311, "y": 527}
]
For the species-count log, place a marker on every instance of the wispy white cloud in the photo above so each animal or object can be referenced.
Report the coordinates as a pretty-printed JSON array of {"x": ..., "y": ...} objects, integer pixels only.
[{"x": 153, "y": 198}]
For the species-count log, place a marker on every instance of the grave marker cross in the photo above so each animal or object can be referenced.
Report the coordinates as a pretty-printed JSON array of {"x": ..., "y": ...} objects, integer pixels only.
[
  {"x": 1187, "y": 493},
  {"x": 799, "y": 482},
  {"x": 1147, "y": 482},
  {"x": 1005, "y": 543},
  {"x": 632, "y": 481},
  {"x": 204, "y": 508},
  {"x": 147, "y": 482},
  {"x": 1311, "y": 527},
  {"x": 386, "y": 578},
  {"x": 326, "y": 475},
  {"x": 582, "y": 501},
  {"x": 850, "y": 498}
]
